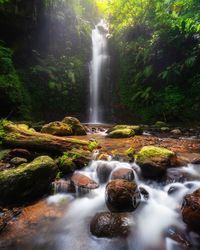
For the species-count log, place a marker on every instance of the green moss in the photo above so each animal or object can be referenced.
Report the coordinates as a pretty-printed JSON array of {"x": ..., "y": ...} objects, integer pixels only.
[
  {"x": 3, "y": 123},
  {"x": 121, "y": 133},
  {"x": 93, "y": 145},
  {"x": 136, "y": 128},
  {"x": 57, "y": 128},
  {"x": 164, "y": 129},
  {"x": 150, "y": 152},
  {"x": 130, "y": 152},
  {"x": 27, "y": 180},
  {"x": 160, "y": 124}
]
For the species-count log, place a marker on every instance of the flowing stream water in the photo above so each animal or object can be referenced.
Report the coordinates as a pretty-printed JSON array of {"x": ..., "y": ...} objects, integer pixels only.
[
  {"x": 153, "y": 224},
  {"x": 99, "y": 71}
]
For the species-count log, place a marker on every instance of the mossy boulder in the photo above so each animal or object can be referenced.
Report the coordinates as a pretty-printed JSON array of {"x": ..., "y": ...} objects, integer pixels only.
[
  {"x": 74, "y": 159},
  {"x": 154, "y": 161},
  {"x": 74, "y": 123},
  {"x": 57, "y": 128},
  {"x": 27, "y": 181},
  {"x": 164, "y": 129},
  {"x": 121, "y": 133},
  {"x": 160, "y": 124},
  {"x": 135, "y": 128}
]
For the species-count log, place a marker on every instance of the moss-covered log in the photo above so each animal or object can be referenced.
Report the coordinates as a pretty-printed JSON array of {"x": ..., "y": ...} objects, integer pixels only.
[{"x": 19, "y": 135}]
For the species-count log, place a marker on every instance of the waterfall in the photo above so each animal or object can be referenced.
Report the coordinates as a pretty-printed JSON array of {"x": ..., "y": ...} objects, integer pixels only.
[{"x": 99, "y": 67}]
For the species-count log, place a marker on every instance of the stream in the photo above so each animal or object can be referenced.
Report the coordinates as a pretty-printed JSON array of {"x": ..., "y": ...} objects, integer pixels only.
[{"x": 155, "y": 224}]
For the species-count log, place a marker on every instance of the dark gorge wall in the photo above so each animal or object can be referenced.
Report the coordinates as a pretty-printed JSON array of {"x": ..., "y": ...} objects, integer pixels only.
[{"x": 51, "y": 46}]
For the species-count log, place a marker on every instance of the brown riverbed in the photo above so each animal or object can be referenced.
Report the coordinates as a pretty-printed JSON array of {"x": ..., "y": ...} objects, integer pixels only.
[{"x": 40, "y": 215}]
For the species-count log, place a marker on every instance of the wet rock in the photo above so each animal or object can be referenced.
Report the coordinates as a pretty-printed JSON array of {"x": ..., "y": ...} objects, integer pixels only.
[
  {"x": 123, "y": 173},
  {"x": 173, "y": 189},
  {"x": 27, "y": 181},
  {"x": 57, "y": 128},
  {"x": 154, "y": 161},
  {"x": 82, "y": 181},
  {"x": 176, "y": 131},
  {"x": 103, "y": 171},
  {"x": 196, "y": 160},
  {"x": 144, "y": 193},
  {"x": 122, "y": 196},
  {"x": 77, "y": 127},
  {"x": 63, "y": 186},
  {"x": 191, "y": 210},
  {"x": 18, "y": 160},
  {"x": 110, "y": 225}
]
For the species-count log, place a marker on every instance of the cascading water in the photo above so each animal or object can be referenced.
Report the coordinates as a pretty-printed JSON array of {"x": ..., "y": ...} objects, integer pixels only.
[
  {"x": 99, "y": 70},
  {"x": 154, "y": 223}
]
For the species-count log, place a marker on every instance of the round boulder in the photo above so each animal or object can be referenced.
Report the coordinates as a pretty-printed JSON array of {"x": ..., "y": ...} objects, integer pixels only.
[
  {"x": 103, "y": 171},
  {"x": 82, "y": 181},
  {"x": 57, "y": 128},
  {"x": 110, "y": 225},
  {"x": 123, "y": 173},
  {"x": 154, "y": 161},
  {"x": 191, "y": 210},
  {"x": 20, "y": 152},
  {"x": 122, "y": 196},
  {"x": 74, "y": 123}
]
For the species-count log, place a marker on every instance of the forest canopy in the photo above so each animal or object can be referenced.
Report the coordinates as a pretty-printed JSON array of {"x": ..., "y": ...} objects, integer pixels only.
[{"x": 154, "y": 48}]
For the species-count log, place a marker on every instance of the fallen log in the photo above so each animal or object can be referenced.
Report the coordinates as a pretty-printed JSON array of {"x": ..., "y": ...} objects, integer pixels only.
[{"x": 19, "y": 135}]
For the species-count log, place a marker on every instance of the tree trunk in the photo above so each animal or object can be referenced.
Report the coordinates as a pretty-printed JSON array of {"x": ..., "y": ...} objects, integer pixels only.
[{"x": 16, "y": 135}]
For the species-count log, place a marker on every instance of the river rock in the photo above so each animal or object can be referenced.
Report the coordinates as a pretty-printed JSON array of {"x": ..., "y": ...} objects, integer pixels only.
[
  {"x": 18, "y": 161},
  {"x": 63, "y": 186},
  {"x": 122, "y": 196},
  {"x": 121, "y": 133},
  {"x": 74, "y": 123},
  {"x": 124, "y": 131},
  {"x": 57, "y": 128},
  {"x": 164, "y": 129},
  {"x": 135, "y": 128},
  {"x": 176, "y": 131},
  {"x": 19, "y": 152},
  {"x": 160, "y": 124},
  {"x": 154, "y": 161},
  {"x": 196, "y": 160},
  {"x": 27, "y": 181},
  {"x": 191, "y": 210},
  {"x": 103, "y": 171},
  {"x": 123, "y": 173},
  {"x": 74, "y": 159},
  {"x": 110, "y": 225},
  {"x": 82, "y": 181}
]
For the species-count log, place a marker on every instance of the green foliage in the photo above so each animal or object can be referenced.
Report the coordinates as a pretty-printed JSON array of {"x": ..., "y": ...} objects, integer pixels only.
[
  {"x": 12, "y": 91},
  {"x": 157, "y": 43}
]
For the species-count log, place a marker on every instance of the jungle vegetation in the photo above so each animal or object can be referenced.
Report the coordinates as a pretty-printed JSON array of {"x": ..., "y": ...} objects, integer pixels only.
[{"x": 46, "y": 46}]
